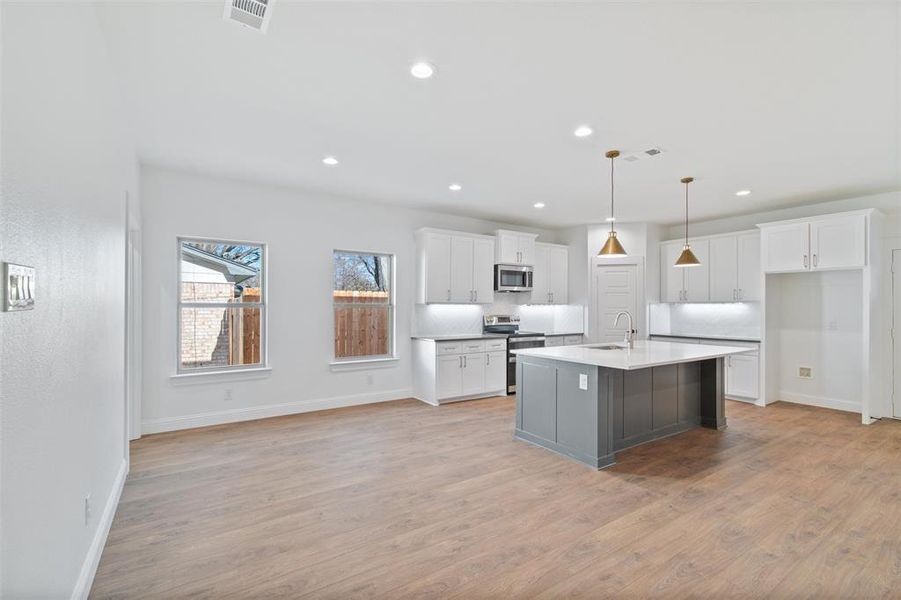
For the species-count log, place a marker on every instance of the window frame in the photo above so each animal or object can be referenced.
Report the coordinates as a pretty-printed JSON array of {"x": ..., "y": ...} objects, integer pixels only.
[
  {"x": 392, "y": 311},
  {"x": 262, "y": 305}
]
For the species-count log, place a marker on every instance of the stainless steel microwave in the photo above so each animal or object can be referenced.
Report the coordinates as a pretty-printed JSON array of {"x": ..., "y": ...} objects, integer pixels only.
[{"x": 512, "y": 278}]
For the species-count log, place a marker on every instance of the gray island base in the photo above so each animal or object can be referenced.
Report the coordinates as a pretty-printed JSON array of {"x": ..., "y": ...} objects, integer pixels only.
[{"x": 589, "y": 411}]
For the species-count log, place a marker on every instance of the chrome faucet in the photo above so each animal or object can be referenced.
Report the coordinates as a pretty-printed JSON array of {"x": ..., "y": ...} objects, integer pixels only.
[{"x": 629, "y": 340}]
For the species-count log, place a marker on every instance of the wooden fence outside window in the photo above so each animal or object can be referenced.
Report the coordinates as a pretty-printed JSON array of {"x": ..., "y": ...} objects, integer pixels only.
[{"x": 362, "y": 323}]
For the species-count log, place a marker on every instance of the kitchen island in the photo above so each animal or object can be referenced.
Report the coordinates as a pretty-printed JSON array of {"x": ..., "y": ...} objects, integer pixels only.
[{"x": 587, "y": 402}]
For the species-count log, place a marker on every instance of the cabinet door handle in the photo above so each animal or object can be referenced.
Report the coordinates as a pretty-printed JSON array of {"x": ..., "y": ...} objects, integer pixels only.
[
  {"x": 805, "y": 261},
  {"x": 475, "y": 293},
  {"x": 464, "y": 361},
  {"x": 815, "y": 261},
  {"x": 461, "y": 361},
  {"x": 741, "y": 294},
  {"x": 552, "y": 297},
  {"x": 488, "y": 359},
  {"x": 448, "y": 295}
]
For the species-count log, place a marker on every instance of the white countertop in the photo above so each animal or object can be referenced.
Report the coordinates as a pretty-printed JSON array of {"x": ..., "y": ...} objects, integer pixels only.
[
  {"x": 725, "y": 338},
  {"x": 459, "y": 337},
  {"x": 644, "y": 354},
  {"x": 561, "y": 333}
]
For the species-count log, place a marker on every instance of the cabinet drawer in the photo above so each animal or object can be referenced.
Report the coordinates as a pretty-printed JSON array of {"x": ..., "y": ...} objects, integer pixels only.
[
  {"x": 442, "y": 348},
  {"x": 572, "y": 340},
  {"x": 495, "y": 345}
]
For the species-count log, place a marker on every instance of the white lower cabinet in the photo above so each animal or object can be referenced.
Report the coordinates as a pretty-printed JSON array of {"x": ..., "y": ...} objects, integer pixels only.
[
  {"x": 449, "y": 376},
  {"x": 445, "y": 371},
  {"x": 742, "y": 375},
  {"x": 473, "y": 373},
  {"x": 496, "y": 370}
]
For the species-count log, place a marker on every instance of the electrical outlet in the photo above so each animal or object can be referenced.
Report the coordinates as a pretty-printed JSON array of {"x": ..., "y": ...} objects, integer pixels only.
[
  {"x": 228, "y": 395},
  {"x": 805, "y": 372},
  {"x": 87, "y": 509},
  {"x": 583, "y": 381}
]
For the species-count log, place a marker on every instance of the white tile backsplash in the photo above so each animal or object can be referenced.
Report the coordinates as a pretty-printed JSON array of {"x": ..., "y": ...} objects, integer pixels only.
[
  {"x": 739, "y": 319},
  {"x": 458, "y": 319}
]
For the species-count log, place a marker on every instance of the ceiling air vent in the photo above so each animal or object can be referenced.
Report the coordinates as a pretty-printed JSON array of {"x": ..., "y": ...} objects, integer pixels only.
[
  {"x": 249, "y": 13},
  {"x": 653, "y": 151}
]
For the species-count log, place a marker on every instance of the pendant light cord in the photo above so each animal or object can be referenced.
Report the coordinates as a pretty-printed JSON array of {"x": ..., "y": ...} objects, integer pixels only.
[
  {"x": 612, "y": 222},
  {"x": 686, "y": 214}
]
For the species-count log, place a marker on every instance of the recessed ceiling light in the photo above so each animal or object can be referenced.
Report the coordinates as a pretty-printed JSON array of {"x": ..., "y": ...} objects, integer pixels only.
[
  {"x": 583, "y": 131},
  {"x": 610, "y": 219},
  {"x": 742, "y": 192},
  {"x": 455, "y": 187},
  {"x": 330, "y": 161},
  {"x": 422, "y": 70},
  {"x": 538, "y": 205}
]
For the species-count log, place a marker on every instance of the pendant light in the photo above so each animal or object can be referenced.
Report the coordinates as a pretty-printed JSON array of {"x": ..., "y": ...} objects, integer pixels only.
[
  {"x": 612, "y": 247},
  {"x": 687, "y": 258}
]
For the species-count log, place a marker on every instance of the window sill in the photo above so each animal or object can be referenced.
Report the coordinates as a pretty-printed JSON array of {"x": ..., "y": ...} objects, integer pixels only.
[
  {"x": 229, "y": 374},
  {"x": 363, "y": 363}
]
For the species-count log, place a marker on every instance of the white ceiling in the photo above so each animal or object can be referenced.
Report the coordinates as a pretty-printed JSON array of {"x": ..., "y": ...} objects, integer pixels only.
[{"x": 798, "y": 102}]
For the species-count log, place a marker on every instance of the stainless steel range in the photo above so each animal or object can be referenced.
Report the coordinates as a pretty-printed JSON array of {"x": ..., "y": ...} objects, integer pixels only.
[{"x": 516, "y": 340}]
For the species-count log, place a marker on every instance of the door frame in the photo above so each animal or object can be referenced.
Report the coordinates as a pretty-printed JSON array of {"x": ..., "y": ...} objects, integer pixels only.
[
  {"x": 894, "y": 266},
  {"x": 641, "y": 319}
]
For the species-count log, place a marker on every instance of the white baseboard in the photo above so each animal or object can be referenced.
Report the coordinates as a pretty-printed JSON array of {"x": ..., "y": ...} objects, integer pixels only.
[
  {"x": 250, "y": 413},
  {"x": 92, "y": 560},
  {"x": 820, "y": 401}
]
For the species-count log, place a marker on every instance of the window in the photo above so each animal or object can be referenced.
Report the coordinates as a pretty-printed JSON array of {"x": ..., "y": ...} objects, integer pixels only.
[
  {"x": 363, "y": 299},
  {"x": 221, "y": 305}
]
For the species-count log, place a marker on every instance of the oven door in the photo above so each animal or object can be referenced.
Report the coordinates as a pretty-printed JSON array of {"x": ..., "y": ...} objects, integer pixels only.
[
  {"x": 512, "y": 278},
  {"x": 518, "y": 344}
]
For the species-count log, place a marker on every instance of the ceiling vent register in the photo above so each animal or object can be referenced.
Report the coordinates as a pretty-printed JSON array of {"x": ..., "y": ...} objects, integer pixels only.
[{"x": 249, "y": 13}]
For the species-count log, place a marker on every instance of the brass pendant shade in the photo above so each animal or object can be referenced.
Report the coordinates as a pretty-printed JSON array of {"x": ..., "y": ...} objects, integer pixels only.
[
  {"x": 687, "y": 258},
  {"x": 612, "y": 247}
]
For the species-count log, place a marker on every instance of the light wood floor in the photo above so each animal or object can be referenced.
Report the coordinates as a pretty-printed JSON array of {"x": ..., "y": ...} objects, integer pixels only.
[{"x": 402, "y": 500}]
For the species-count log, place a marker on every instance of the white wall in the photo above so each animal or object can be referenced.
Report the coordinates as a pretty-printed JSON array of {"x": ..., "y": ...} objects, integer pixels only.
[
  {"x": 301, "y": 230},
  {"x": 889, "y": 203},
  {"x": 66, "y": 166},
  {"x": 816, "y": 322},
  {"x": 640, "y": 241}
]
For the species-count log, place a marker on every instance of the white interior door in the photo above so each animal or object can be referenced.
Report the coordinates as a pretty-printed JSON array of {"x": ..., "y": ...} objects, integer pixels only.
[
  {"x": 615, "y": 289},
  {"x": 896, "y": 332}
]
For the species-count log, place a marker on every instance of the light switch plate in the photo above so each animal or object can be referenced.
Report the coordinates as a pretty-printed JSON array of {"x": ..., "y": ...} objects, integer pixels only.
[
  {"x": 18, "y": 287},
  {"x": 583, "y": 381}
]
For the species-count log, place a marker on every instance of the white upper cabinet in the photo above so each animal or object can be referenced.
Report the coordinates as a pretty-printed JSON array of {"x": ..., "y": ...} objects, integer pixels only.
[
  {"x": 541, "y": 276},
  {"x": 483, "y": 270},
  {"x": 729, "y": 270},
  {"x": 786, "y": 248},
  {"x": 455, "y": 267},
  {"x": 550, "y": 279},
  {"x": 558, "y": 259},
  {"x": 672, "y": 279},
  {"x": 697, "y": 279},
  {"x": 838, "y": 242},
  {"x": 515, "y": 247},
  {"x": 723, "y": 272},
  {"x": 749, "y": 267},
  {"x": 817, "y": 244},
  {"x": 461, "y": 269},
  {"x": 735, "y": 268},
  {"x": 435, "y": 254}
]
